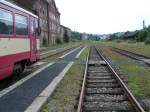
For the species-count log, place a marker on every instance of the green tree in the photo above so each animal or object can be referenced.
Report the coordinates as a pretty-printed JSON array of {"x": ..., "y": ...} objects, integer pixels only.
[
  {"x": 66, "y": 36},
  {"x": 142, "y": 35},
  {"x": 76, "y": 35},
  {"x": 147, "y": 41},
  {"x": 58, "y": 41}
]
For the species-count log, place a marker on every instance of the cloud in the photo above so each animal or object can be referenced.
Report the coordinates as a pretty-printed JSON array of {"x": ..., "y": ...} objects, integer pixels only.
[{"x": 104, "y": 16}]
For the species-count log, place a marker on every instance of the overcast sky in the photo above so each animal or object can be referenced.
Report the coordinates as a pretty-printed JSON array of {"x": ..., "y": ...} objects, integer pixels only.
[{"x": 104, "y": 16}]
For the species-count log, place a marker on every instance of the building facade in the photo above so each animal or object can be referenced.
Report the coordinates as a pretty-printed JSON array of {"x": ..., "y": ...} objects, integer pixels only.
[
  {"x": 54, "y": 22},
  {"x": 84, "y": 36},
  {"x": 65, "y": 31},
  {"x": 62, "y": 31},
  {"x": 49, "y": 18}
]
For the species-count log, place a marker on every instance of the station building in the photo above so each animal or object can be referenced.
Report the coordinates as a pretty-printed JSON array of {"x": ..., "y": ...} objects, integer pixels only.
[
  {"x": 49, "y": 18},
  {"x": 64, "y": 31}
]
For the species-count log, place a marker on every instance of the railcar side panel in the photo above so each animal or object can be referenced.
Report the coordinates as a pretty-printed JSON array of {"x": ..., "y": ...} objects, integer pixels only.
[
  {"x": 10, "y": 46},
  {"x": 19, "y": 42}
]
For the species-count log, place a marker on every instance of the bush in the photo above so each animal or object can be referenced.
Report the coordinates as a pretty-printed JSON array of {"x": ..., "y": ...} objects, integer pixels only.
[
  {"x": 131, "y": 41},
  {"x": 44, "y": 41},
  {"x": 58, "y": 41},
  {"x": 66, "y": 37},
  {"x": 147, "y": 41},
  {"x": 143, "y": 34},
  {"x": 118, "y": 41}
]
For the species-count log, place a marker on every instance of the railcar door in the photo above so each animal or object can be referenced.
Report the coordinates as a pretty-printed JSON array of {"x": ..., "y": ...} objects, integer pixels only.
[{"x": 33, "y": 36}]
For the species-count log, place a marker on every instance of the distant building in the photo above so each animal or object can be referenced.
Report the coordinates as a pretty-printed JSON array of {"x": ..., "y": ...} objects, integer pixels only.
[
  {"x": 84, "y": 36},
  {"x": 62, "y": 31},
  {"x": 68, "y": 30},
  {"x": 49, "y": 18},
  {"x": 65, "y": 31},
  {"x": 130, "y": 35},
  {"x": 144, "y": 24},
  {"x": 104, "y": 36}
]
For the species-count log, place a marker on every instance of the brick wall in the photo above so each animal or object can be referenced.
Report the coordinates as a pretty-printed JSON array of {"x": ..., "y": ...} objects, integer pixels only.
[{"x": 49, "y": 18}]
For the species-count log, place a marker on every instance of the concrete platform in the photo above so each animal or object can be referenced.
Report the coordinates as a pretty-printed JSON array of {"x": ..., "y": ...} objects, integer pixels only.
[
  {"x": 147, "y": 61},
  {"x": 47, "y": 53},
  {"x": 97, "y": 63},
  {"x": 20, "y": 98}
]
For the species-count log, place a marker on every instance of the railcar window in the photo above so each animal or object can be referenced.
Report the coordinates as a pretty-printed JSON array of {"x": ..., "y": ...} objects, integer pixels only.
[
  {"x": 34, "y": 28},
  {"x": 21, "y": 25},
  {"x": 6, "y": 22}
]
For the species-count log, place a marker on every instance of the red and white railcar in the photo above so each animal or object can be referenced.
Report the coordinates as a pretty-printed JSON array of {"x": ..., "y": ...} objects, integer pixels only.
[{"x": 19, "y": 41}]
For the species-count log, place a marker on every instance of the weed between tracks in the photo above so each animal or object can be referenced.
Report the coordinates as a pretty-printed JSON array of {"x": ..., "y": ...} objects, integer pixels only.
[
  {"x": 138, "y": 76},
  {"x": 139, "y": 48},
  {"x": 138, "y": 79},
  {"x": 64, "y": 45},
  {"x": 65, "y": 97}
]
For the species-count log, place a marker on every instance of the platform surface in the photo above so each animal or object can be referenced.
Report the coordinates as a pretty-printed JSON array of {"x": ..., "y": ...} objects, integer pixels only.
[{"x": 20, "y": 98}]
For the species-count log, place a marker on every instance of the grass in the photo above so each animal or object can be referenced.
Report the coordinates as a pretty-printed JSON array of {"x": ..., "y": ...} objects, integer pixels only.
[
  {"x": 139, "y": 79},
  {"x": 106, "y": 51},
  {"x": 65, "y": 97},
  {"x": 138, "y": 76},
  {"x": 139, "y": 48},
  {"x": 54, "y": 56}
]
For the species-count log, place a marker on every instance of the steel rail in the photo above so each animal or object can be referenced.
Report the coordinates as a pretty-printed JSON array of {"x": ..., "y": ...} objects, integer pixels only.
[
  {"x": 132, "y": 53},
  {"x": 132, "y": 99},
  {"x": 83, "y": 86},
  {"x": 47, "y": 55}
]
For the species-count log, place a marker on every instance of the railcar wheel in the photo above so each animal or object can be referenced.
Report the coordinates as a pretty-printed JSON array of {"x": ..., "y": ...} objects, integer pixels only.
[{"x": 18, "y": 68}]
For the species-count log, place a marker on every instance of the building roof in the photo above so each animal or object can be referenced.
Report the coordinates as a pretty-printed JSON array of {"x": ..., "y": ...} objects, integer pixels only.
[
  {"x": 130, "y": 34},
  {"x": 17, "y": 7},
  {"x": 53, "y": 2},
  {"x": 65, "y": 27},
  {"x": 28, "y": 4}
]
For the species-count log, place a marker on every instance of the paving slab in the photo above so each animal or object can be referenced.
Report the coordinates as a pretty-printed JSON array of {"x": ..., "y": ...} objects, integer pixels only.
[
  {"x": 22, "y": 97},
  {"x": 147, "y": 61}
]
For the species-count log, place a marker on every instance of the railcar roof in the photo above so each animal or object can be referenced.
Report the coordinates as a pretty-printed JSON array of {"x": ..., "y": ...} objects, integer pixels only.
[{"x": 17, "y": 7}]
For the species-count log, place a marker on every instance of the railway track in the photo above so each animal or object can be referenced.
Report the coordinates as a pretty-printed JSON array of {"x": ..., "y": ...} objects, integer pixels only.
[
  {"x": 55, "y": 52},
  {"x": 132, "y": 55},
  {"x": 103, "y": 90}
]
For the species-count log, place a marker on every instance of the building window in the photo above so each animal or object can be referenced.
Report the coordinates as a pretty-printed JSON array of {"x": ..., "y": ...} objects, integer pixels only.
[
  {"x": 40, "y": 9},
  {"x": 40, "y": 22},
  {"x": 21, "y": 25},
  {"x": 6, "y": 22}
]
